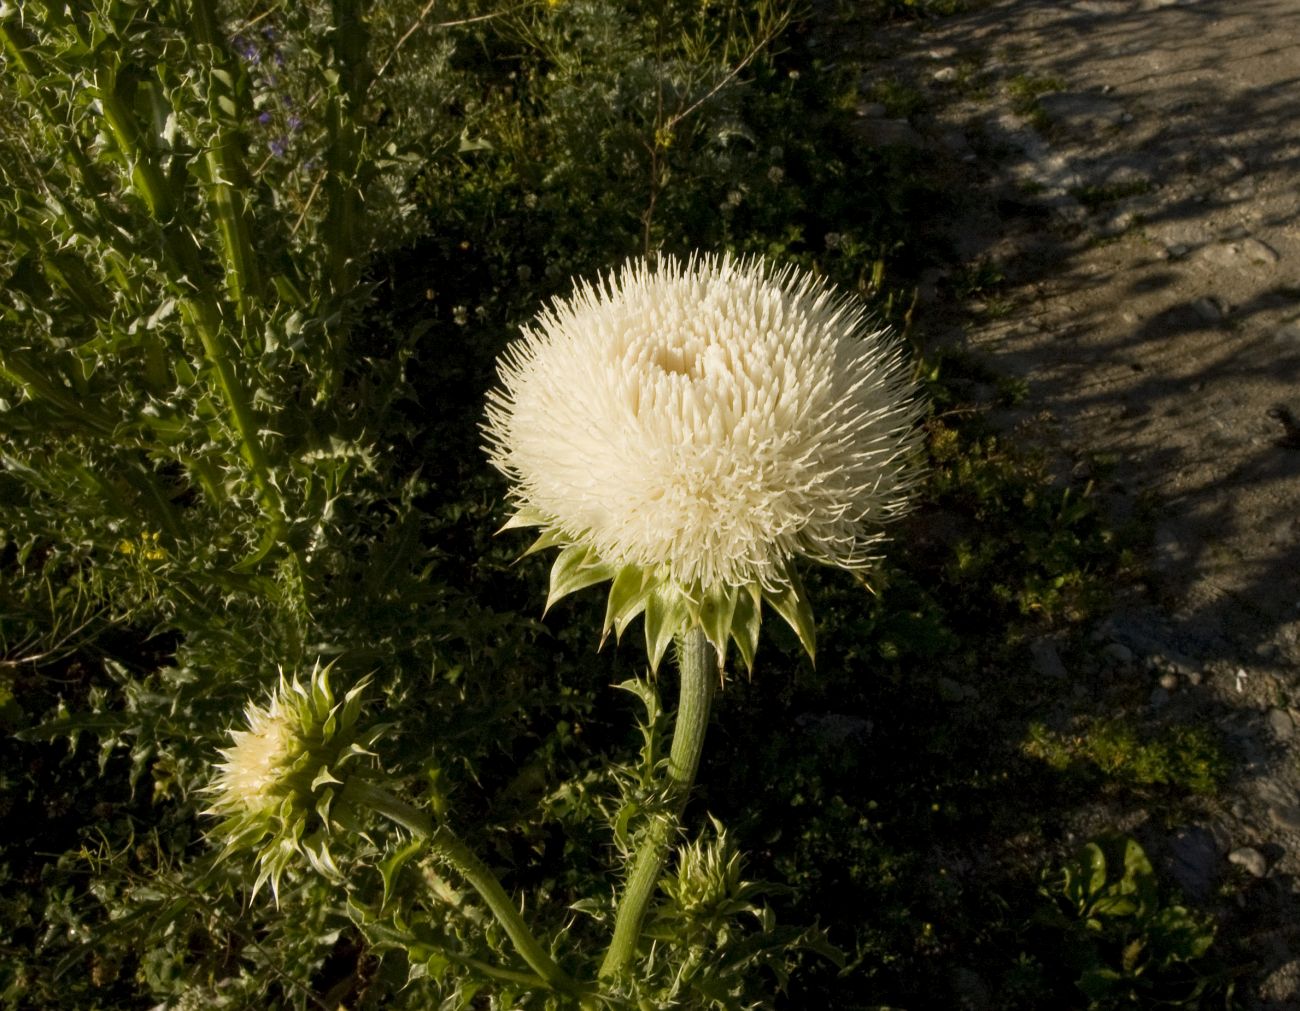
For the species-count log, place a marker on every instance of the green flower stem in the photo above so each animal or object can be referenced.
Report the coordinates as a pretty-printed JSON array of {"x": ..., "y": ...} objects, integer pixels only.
[
  {"x": 445, "y": 844},
  {"x": 697, "y": 661}
]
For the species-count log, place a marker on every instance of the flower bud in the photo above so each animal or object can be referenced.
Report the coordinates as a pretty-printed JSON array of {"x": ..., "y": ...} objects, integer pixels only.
[{"x": 281, "y": 787}]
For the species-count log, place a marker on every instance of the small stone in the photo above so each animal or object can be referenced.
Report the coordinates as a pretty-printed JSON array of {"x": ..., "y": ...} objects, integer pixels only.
[
  {"x": 1177, "y": 251},
  {"x": 1288, "y": 333},
  {"x": 1169, "y": 681},
  {"x": 1195, "y": 858},
  {"x": 1194, "y": 678},
  {"x": 1279, "y": 721},
  {"x": 1081, "y": 111},
  {"x": 1207, "y": 310},
  {"x": 1251, "y": 859},
  {"x": 1101, "y": 7},
  {"x": 1046, "y": 660},
  {"x": 870, "y": 110},
  {"x": 1285, "y": 816},
  {"x": 888, "y": 133},
  {"x": 955, "y": 691},
  {"x": 1266, "y": 650},
  {"x": 835, "y": 730},
  {"x": 1259, "y": 252},
  {"x": 945, "y": 75},
  {"x": 1118, "y": 652}
]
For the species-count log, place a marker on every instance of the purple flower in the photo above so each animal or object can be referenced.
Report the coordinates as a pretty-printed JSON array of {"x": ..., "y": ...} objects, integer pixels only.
[
  {"x": 295, "y": 123},
  {"x": 264, "y": 118},
  {"x": 246, "y": 49},
  {"x": 278, "y": 147}
]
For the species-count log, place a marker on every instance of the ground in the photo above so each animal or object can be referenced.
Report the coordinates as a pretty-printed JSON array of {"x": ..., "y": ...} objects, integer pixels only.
[{"x": 1129, "y": 246}]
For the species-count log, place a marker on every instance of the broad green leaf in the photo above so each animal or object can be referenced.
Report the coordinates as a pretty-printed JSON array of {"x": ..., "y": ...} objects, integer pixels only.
[{"x": 1094, "y": 861}]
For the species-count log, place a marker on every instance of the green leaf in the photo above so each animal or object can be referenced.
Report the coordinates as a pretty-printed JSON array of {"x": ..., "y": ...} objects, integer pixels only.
[
  {"x": 549, "y": 539},
  {"x": 391, "y": 865},
  {"x": 527, "y": 516},
  {"x": 666, "y": 614},
  {"x": 1094, "y": 863},
  {"x": 791, "y": 603},
  {"x": 717, "y": 610},
  {"x": 576, "y": 567},
  {"x": 628, "y": 594},
  {"x": 746, "y": 621}
]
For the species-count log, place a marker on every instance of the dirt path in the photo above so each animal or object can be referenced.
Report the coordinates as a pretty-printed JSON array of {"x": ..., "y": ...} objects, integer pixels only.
[{"x": 1133, "y": 170}]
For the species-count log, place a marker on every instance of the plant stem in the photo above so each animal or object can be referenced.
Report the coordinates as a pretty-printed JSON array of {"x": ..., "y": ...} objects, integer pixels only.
[
  {"x": 448, "y": 846},
  {"x": 697, "y": 663}
]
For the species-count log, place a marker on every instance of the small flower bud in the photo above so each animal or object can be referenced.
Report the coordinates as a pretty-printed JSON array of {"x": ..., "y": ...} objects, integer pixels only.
[{"x": 279, "y": 789}]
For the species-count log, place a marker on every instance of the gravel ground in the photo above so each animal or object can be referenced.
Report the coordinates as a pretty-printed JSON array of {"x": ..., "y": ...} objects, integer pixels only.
[{"x": 1132, "y": 172}]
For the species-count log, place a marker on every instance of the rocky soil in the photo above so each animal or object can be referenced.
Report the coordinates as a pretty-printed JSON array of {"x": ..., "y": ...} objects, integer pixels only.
[{"x": 1132, "y": 169}]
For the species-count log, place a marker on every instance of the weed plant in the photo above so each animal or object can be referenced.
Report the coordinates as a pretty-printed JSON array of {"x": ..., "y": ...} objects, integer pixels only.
[{"x": 258, "y": 260}]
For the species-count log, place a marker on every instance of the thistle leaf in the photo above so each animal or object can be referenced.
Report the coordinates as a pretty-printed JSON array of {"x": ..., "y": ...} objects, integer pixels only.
[
  {"x": 525, "y": 517},
  {"x": 791, "y": 603},
  {"x": 746, "y": 621},
  {"x": 717, "y": 610},
  {"x": 391, "y": 866},
  {"x": 666, "y": 614},
  {"x": 549, "y": 539},
  {"x": 576, "y": 567},
  {"x": 628, "y": 594}
]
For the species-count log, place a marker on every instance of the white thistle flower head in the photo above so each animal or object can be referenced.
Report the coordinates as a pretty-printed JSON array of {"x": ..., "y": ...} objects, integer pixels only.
[
  {"x": 278, "y": 787},
  {"x": 690, "y": 429}
]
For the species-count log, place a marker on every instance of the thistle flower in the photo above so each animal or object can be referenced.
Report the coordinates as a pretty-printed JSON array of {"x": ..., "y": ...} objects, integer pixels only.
[
  {"x": 278, "y": 788},
  {"x": 689, "y": 429}
]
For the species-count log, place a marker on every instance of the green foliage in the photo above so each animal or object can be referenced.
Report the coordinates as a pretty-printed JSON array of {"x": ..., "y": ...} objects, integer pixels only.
[
  {"x": 1114, "y": 751},
  {"x": 1131, "y": 949}
]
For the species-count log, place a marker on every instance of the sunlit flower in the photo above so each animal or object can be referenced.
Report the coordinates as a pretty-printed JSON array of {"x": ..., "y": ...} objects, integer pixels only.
[
  {"x": 689, "y": 429},
  {"x": 279, "y": 784},
  {"x": 256, "y": 764}
]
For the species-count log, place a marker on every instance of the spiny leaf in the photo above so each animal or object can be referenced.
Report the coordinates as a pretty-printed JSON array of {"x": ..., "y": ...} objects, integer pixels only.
[
  {"x": 717, "y": 609},
  {"x": 391, "y": 865},
  {"x": 628, "y": 594},
  {"x": 746, "y": 621},
  {"x": 576, "y": 567},
  {"x": 666, "y": 614},
  {"x": 791, "y": 603}
]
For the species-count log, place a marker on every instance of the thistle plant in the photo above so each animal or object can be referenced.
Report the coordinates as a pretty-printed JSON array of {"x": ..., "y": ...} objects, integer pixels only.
[
  {"x": 299, "y": 774},
  {"x": 278, "y": 789},
  {"x": 688, "y": 431}
]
